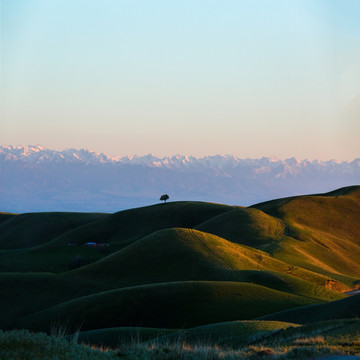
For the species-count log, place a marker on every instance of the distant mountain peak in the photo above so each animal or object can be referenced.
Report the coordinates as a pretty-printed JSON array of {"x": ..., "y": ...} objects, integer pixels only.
[
  {"x": 40, "y": 154},
  {"x": 36, "y": 178}
]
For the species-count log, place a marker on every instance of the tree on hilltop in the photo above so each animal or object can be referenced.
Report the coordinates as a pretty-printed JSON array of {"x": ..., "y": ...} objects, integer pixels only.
[{"x": 164, "y": 197}]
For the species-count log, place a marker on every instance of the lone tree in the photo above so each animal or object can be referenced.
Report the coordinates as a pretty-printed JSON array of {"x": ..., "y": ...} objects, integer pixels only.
[{"x": 164, "y": 197}]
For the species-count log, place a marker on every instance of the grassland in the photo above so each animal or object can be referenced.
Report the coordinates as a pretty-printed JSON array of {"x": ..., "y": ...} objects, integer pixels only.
[
  {"x": 252, "y": 340},
  {"x": 173, "y": 305},
  {"x": 341, "y": 309},
  {"x": 186, "y": 270}
]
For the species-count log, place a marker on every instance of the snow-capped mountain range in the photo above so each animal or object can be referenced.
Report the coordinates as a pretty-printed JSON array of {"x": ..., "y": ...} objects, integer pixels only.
[
  {"x": 38, "y": 154},
  {"x": 35, "y": 178}
]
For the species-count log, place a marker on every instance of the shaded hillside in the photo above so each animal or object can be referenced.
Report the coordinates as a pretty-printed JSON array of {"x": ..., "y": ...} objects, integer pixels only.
[
  {"x": 22, "y": 294},
  {"x": 229, "y": 333},
  {"x": 243, "y": 340},
  {"x": 225, "y": 333},
  {"x": 29, "y": 230},
  {"x": 130, "y": 225},
  {"x": 5, "y": 216},
  {"x": 171, "y": 305},
  {"x": 348, "y": 308}
]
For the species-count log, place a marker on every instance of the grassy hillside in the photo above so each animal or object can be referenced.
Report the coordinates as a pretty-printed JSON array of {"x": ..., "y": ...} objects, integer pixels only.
[
  {"x": 335, "y": 332},
  {"x": 55, "y": 260},
  {"x": 6, "y": 216},
  {"x": 246, "y": 226},
  {"x": 24, "y": 345},
  {"x": 173, "y": 305},
  {"x": 224, "y": 334},
  {"x": 28, "y": 230},
  {"x": 127, "y": 226},
  {"x": 119, "y": 230},
  {"x": 113, "y": 337},
  {"x": 23, "y": 294},
  {"x": 347, "y": 308},
  {"x": 183, "y": 254},
  {"x": 323, "y": 231},
  {"x": 231, "y": 333},
  {"x": 182, "y": 265},
  {"x": 319, "y": 232},
  {"x": 269, "y": 340}
]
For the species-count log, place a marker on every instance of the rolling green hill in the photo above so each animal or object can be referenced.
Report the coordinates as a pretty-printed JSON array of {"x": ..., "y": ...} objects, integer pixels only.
[
  {"x": 319, "y": 232},
  {"x": 127, "y": 226},
  {"x": 347, "y": 308},
  {"x": 184, "y": 254},
  {"x": 6, "y": 216},
  {"x": 182, "y": 265},
  {"x": 166, "y": 305},
  {"x": 229, "y": 333},
  {"x": 29, "y": 230},
  {"x": 246, "y": 226},
  {"x": 22, "y": 294},
  {"x": 323, "y": 231},
  {"x": 225, "y": 333}
]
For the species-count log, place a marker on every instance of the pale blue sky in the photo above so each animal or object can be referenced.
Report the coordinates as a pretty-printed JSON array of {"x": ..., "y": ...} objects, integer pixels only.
[{"x": 196, "y": 77}]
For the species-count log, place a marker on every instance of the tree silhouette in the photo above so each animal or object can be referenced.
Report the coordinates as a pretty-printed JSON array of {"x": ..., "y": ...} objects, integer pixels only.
[{"x": 164, "y": 197}]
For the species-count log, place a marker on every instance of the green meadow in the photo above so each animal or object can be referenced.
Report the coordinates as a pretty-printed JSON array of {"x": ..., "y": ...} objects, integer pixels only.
[{"x": 184, "y": 280}]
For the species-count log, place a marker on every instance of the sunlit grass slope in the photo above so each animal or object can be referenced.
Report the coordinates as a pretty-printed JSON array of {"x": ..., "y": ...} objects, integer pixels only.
[
  {"x": 32, "y": 229},
  {"x": 246, "y": 226},
  {"x": 130, "y": 225},
  {"x": 347, "y": 308},
  {"x": 323, "y": 231},
  {"x": 318, "y": 232},
  {"x": 119, "y": 229},
  {"x": 170, "y": 305},
  {"x": 185, "y": 254}
]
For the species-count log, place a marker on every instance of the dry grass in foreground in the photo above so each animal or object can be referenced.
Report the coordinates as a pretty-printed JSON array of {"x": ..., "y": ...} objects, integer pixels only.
[{"x": 24, "y": 345}]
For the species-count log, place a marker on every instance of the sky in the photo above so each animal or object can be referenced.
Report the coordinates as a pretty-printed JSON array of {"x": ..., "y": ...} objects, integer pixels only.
[{"x": 251, "y": 78}]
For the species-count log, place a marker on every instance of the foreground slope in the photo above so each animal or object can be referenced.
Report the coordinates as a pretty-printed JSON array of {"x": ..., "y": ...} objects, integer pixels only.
[
  {"x": 225, "y": 333},
  {"x": 4, "y": 216},
  {"x": 267, "y": 339},
  {"x": 347, "y": 308},
  {"x": 169, "y": 305},
  {"x": 23, "y": 294}
]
